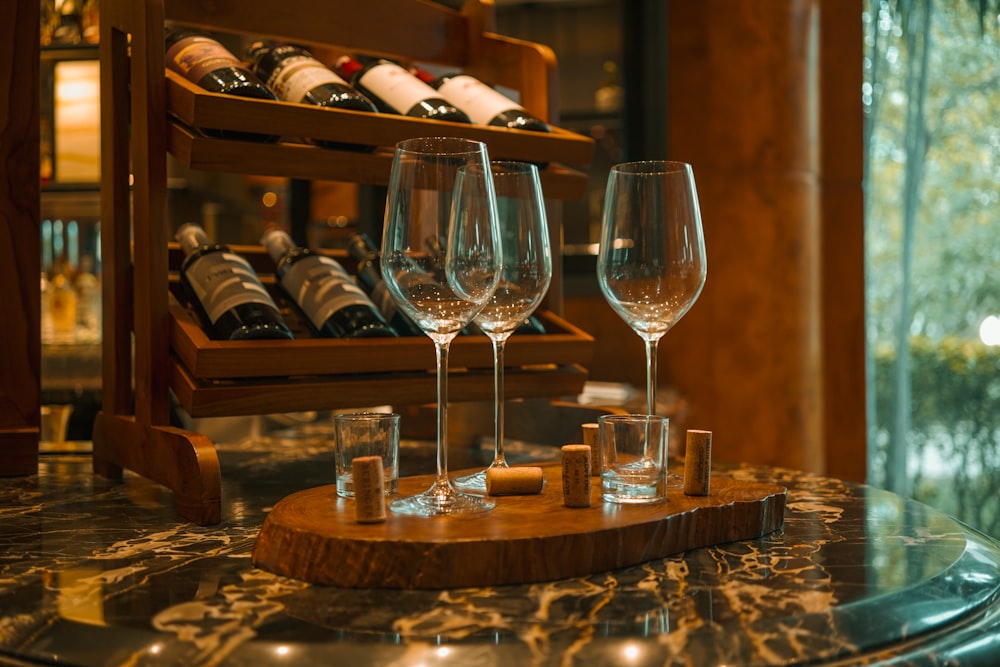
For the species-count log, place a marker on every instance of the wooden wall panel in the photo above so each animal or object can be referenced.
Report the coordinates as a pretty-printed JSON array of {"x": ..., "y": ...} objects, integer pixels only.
[
  {"x": 765, "y": 103},
  {"x": 20, "y": 256}
]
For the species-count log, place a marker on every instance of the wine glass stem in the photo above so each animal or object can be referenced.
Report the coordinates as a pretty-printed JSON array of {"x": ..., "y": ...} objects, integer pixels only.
[
  {"x": 441, "y": 353},
  {"x": 498, "y": 418},
  {"x": 651, "y": 376}
]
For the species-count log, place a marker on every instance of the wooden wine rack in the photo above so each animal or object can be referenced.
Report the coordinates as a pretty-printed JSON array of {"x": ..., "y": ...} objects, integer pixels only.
[{"x": 147, "y": 112}]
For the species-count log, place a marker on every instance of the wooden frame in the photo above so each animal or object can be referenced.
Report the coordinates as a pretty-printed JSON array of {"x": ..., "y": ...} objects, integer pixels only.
[
  {"x": 133, "y": 432},
  {"x": 20, "y": 256}
]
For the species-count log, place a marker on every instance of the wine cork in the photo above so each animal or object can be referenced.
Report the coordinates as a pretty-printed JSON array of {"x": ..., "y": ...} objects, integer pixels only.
[
  {"x": 369, "y": 489},
  {"x": 576, "y": 475},
  {"x": 697, "y": 463},
  {"x": 521, "y": 480},
  {"x": 590, "y": 438}
]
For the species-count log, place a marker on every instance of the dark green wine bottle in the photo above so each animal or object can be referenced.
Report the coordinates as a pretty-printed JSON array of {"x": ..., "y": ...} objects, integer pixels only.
[
  {"x": 369, "y": 273},
  {"x": 333, "y": 304},
  {"x": 294, "y": 75},
  {"x": 210, "y": 65},
  {"x": 226, "y": 291}
]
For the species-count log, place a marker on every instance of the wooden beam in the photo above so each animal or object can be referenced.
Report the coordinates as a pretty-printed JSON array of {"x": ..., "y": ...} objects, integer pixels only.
[{"x": 20, "y": 252}]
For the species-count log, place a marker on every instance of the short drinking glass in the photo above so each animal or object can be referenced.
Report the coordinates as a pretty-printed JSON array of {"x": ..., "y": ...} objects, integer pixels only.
[
  {"x": 633, "y": 458},
  {"x": 366, "y": 434}
]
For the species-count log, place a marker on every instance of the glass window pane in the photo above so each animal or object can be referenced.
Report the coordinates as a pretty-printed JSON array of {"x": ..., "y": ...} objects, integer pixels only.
[{"x": 931, "y": 96}]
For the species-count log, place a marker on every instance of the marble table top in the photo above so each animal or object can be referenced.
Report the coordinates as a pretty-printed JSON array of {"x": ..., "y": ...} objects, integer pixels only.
[{"x": 102, "y": 572}]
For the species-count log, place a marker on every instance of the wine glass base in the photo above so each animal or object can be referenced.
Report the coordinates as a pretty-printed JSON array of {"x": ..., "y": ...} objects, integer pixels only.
[
  {"x": 675, "y": 481},
  {"x": 436, "y": 503},
  {"x": 474, "y": 482}
]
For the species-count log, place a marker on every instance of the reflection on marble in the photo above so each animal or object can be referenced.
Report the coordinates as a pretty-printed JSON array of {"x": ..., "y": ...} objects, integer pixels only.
[{"x": 95, "y": 572}]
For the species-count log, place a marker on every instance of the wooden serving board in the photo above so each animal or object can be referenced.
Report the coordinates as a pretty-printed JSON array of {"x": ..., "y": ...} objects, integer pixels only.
[{"x": 313, "y": 535}]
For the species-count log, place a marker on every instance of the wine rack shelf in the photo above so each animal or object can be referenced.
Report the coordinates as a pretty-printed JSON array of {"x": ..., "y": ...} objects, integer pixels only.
[
  {"x": 562, "y": 344},
  {"x": 191, "y": 107},
  {"x": 148, "y": 112}
]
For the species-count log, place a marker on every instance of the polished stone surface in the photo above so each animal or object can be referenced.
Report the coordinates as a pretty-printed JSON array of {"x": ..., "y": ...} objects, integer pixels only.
[{"x": 97, "y": 572}]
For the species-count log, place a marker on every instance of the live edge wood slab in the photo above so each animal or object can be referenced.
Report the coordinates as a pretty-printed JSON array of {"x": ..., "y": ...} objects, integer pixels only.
[{"x": 312, "y": 535}]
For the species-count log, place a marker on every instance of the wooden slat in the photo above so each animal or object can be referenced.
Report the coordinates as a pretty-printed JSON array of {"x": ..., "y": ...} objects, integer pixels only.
[
  {"x": 309, "y": 162},
  {"x": 116, "y": 251},
  {"x": 211, "y": 359},
  {"x": 263, "y": 396},
  {"x": 199, "y": 108},
  {"x": 149, "y": 228}
]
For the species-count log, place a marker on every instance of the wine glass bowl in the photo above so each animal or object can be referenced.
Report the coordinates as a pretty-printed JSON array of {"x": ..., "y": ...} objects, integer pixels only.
[
  {"x": 441, "y": 261},
  {"x": 649, "y": 305},
  {"x": 651, "y": 263},
  {"x": 524, "y": 280}
]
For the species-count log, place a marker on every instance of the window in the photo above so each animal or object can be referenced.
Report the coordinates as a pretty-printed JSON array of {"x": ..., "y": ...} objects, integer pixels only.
[{"x": 932, "y": 189}]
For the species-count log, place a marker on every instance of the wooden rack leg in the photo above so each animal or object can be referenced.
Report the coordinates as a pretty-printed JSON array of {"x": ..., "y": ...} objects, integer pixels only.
[{"x": 185, "y": 462}]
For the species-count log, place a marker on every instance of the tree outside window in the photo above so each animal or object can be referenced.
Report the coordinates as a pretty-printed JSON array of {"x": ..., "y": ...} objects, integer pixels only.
[{"x": 932, "y": 191}]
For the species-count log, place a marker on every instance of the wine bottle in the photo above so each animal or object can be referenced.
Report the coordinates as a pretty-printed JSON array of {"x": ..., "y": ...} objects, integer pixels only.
[
  {"x": 294, "y": 75},
  {"x": 332, "y": 303},
  {"x": 609, "y": 95},
  {"x": 88, "y": 298},
  {"x": 226, "y": 290},
  {"x": 207, "y": 63},
  {"x": 69, "y": 29},
  {"x": 531, "y": 325},
  {"x": 63, "y": 300},
  {"x": 394, "y": 89},
  {"x": 369, "y": 274},
  {"x": 483, "y": 104}
]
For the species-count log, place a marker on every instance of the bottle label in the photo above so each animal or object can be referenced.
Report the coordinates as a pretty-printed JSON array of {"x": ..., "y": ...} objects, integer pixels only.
[
  {"x": 196, "y": 56},
  {"x": 396, "y": 87},
  {"x": 223, "y": 280},
  {"x": 480, "y": 102},
  {"x": 321, "y": 287},
  {"x": 297, "y": 75}
]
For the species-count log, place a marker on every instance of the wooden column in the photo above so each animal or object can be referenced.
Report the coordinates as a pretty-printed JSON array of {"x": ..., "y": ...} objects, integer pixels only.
[
  {"x": 20, "y": 251},
  {"x": 842, "y": 242},
  {"x": 765, "y": 103}
]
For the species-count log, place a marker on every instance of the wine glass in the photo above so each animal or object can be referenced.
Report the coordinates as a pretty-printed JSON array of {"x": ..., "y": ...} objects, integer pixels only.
[
  {"x": 527, "y": 271},
  {"x": 651, "y": 262},
  {"x": 441, "y": 261}
]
